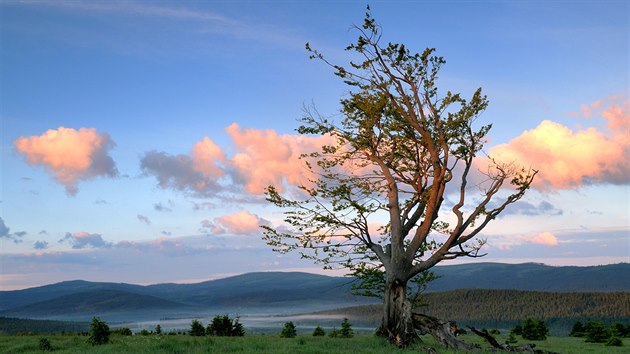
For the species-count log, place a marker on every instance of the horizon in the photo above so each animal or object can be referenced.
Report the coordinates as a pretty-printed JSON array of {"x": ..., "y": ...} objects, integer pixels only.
[
  {"x": 322, "y": 273},
  {"x": 138, "y": 136}
]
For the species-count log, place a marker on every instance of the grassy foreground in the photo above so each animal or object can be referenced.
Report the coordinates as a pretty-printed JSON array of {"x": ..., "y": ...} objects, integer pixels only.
[{"x": 362, "y": 343}]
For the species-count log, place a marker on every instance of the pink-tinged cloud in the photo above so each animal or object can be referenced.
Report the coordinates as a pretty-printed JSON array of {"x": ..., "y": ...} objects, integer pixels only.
[
  {"x": 198, "y": 172},
  {"x": 70, "y": 155},
  {"x": 545, "y": 238},
  {"x": 266, "y": 158},
  {"x": 568, "y": 158},
  {"x": 82, "y": 239},
  {"x": 239, "y": 223}
]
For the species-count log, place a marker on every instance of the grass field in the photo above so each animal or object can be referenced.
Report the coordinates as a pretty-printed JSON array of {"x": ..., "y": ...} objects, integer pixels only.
[{"x": 258, "y": 343}]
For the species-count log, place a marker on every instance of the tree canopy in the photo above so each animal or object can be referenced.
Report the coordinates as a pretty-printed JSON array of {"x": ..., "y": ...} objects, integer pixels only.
[{"x": 378, "y": 203}]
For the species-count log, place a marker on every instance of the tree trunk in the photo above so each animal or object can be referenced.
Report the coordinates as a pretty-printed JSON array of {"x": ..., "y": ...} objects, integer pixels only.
[{"x": 397, "y": 322}]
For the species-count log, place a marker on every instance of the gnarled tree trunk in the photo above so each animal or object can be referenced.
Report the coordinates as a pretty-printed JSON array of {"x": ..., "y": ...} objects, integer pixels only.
[{"x": 397, "y": 322}]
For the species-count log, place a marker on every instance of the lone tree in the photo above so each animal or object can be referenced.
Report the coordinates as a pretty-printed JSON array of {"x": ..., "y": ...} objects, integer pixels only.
[{"x": 400, "y": 148}]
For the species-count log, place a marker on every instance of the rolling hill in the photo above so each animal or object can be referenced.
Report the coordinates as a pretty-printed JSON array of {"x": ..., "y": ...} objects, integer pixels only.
[{"x": 283, "y": 292}]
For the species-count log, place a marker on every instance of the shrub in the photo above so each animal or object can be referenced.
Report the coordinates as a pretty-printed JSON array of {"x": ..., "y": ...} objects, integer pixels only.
[
  {"x": 318, "y": 332},
  {"x": 346, "y": 329},
  {"x": 619, "y": 330},
  {"x": 596, "y": 332},
  {"x": 225, "y": 326},
  {"x": 144, "y": 332},
  {"x": 196, "y": 329},
  {"x": 158, "y": 329},
  {"x": 288, "y": 331},
  {"x": 534, "y": 329},
  {"x": 577, "y": 330},
  {"x": 518, "y": 330},
  {"x": 99, "y": 332},
  {"x": 511, "y": 338},
  {"x": 44, "y": 345},
  {"x": 494, "y": 332},
  {"x": 334, "y": 333},
  {"x": 614, "y": 342},
  {"x": 122, "y": 331}
]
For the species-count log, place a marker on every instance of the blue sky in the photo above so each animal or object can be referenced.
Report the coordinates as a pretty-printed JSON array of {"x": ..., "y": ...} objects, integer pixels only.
[{"x": 145, "y": 89}]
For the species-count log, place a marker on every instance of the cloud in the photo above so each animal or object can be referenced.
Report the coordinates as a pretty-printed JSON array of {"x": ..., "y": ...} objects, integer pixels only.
[
  {"x": 529, "y": 209},
  {"x": 5, "y": 232},
  {"x": 143, "y": 219},
  {"x": 568, "y": 158},
  {"x": 70, "y": 155},
  {"x": 40, "y": 245},
  {"x": 265, "y": 158},
  {"x": 198, "y": 173},
  {"x": 4, "y": 229},
  {"x": 545, "y": 238},
  {"x": 80, "y": 240},
  {"x": 161, "y": 207},
  {"x": 262, "y": 158},
  {"x": 239, "y": 223}
]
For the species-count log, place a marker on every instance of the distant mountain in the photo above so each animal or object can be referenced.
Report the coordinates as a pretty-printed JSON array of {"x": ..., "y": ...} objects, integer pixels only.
[
  {"x": 283, "y": 292},
  {"x": 86, "y": 304}
]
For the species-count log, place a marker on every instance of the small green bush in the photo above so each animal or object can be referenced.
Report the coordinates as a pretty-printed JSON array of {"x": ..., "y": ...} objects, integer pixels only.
[
  {"x": 122, "y": 331},
  {"x": 346, "y": 329},
  {"x": 319, "y": 332},
  {"x": 99, "y": 332},
  {"x": 334, "y": 333},
  {"x": 196, "y": 329},
  {"x": 225, "y": 326},
  {"x": 144, "y": 332},
  {"x": 596, "y": 332},
  {"x": 288, "y": 331},
  {"x": 511, "y": 338},
  {"x": 158, "y": 329},
  {"x": 534, "y": 329},
  {"x": 44, "y": 345},
  {"x": 614, "y": 342},
  {"x": 577, "y": 330}
]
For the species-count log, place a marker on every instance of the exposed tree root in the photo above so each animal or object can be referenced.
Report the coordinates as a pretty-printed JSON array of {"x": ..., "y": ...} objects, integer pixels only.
[
  {"x": 527, "y": 348},
  {"x": 445, "y": 333}
]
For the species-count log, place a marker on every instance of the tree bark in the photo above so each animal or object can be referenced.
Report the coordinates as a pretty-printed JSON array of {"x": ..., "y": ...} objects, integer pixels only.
[
  {"x": 443, "y": 332},
  {"x": 397, "y": 322}
]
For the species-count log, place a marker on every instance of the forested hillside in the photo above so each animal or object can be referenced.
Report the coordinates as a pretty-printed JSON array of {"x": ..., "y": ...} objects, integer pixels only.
[{"x": 506, "y": 308}]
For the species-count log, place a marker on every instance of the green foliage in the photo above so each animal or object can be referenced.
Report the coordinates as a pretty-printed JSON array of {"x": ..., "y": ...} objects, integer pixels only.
[
  {"x": 122, "y": 331},
  {"x": 534, "y": 329},
  {"x": 577, "y": 330},
  {"x": 334, "y": 333},
  {"x": 44, "y": 345},
  {"x": 319, "y": 332},
  {"x": 518, "y": 330},
  {"x": 158, "y": 329},
  {"x": 614, "y": 342},
  {"x": 225, "y": 326},
  {"x": 196, "y": 329},
  {"x": 144, "y": 332},
  {"x": 596, "y": 332},
  {"x": 288, "y": 331},
  {"x": 511, "y": 338},
  {"x": 346, "y": 329},
  {"x": 617, "y": 329},
  {"x": 99, "y": 332}
]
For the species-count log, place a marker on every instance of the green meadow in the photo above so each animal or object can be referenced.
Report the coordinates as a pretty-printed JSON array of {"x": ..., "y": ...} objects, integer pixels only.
[{"x": 268, "y": 343}]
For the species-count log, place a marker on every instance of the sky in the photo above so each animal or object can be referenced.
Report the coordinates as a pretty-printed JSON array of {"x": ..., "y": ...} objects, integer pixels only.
[{"x": 137, "y": 137}]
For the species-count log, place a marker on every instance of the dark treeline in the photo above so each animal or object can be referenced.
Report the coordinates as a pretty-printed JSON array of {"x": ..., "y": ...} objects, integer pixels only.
[
  {"x": 506, "y": 308},
  {"x": 23, "y": 326}
]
